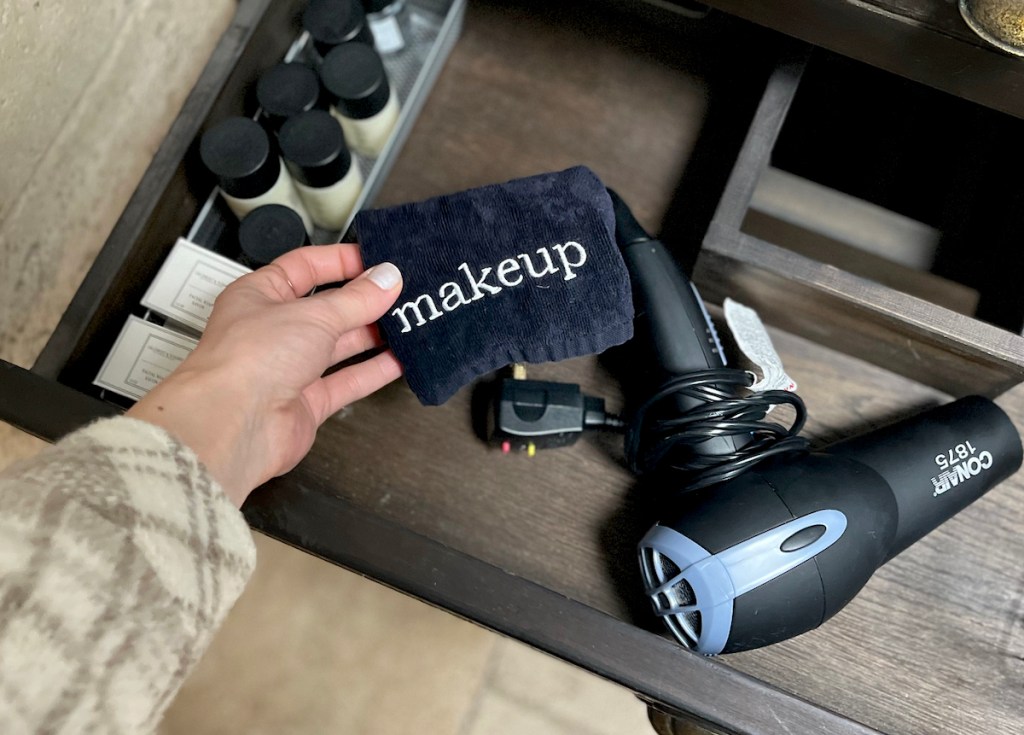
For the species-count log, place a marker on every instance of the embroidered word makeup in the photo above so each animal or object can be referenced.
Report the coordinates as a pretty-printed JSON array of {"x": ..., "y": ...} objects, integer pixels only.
[{"x": 509, "y": 273}]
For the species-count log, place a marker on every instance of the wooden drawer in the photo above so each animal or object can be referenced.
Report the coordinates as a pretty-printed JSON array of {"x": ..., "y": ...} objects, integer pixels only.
[
  {"x": 543, "y": 549},
  {"x": 765, "y": 250}
]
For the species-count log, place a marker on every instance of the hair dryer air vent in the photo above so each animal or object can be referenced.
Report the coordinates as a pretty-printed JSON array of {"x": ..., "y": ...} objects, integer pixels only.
[{"x": 674, "y": 595}]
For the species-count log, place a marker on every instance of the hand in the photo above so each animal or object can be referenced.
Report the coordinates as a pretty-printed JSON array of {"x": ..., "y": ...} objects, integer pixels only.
[{"x": 250, "y": 398}]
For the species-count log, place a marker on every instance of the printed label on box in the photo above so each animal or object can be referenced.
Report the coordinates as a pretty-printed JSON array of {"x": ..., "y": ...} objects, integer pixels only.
[
  {"x": 189, "y": 282},
  {"x": 143, "y": 355}
]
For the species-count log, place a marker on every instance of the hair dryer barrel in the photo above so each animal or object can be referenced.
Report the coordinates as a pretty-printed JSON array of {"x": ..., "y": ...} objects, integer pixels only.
[{"x": 938, "y": 462}]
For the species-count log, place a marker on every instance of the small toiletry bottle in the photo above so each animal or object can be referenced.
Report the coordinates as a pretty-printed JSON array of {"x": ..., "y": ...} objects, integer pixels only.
[
  {"x": 327, "y": 178},
  {"x": 250, "y": 173},
  {"x": 389, "y": 21},
  {"x": 285, "y": 90},
  {"x": 334, "y": 22},
  {"x": 268, "y": 232},
  {"x": 361, "y": 98}
]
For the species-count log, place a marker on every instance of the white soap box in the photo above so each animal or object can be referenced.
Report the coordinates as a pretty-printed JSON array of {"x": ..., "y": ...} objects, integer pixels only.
[
  {"x": 143, "y": 355},
  {"x": 188, "y": 283}
]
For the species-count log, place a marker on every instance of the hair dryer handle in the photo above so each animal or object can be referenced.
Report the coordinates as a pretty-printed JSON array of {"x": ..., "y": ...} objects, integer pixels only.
[{"x": 678, "y": 327}]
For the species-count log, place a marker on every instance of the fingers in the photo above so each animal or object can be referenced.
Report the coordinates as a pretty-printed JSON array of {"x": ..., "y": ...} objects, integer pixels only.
[
  {"x": 296, "y": 272},
  {"x": 361, "y": 301},
  {"x": 329, "y": 395},
  {"x": 355, "y": 342}
]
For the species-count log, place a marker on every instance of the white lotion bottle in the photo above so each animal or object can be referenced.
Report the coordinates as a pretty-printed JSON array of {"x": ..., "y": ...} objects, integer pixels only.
[
  {"x": 248, "y": 169},
  {"x": 327, "y": 178},
  {"x": 361, "y": 98}
]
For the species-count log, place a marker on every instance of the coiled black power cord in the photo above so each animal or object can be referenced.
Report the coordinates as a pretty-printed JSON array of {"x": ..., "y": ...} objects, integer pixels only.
[{"x": 660, "y": 437}]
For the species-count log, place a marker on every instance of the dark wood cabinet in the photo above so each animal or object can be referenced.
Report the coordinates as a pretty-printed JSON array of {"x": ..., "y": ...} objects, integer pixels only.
[{"x": 681, "y": 117}]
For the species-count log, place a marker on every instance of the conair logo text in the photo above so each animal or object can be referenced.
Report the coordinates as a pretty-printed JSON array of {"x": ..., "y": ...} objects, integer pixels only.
[
  {"x": 509, "y": 273},
  {"x": 959, "y": 464}
]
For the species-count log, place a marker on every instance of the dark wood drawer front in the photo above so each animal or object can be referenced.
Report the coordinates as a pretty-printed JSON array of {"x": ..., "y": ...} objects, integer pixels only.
[{"x": 543, "y": 549}]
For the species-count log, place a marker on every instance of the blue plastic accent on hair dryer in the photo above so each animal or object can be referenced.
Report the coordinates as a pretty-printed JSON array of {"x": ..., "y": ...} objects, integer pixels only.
[
  {"x": 717, "y": 579},
  {"x": 706, "y": 575}
]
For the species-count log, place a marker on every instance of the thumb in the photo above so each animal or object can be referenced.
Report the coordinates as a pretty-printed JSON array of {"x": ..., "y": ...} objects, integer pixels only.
[
  {"x": 385, "y": 276},
  {"x": 364, "y": 299}
]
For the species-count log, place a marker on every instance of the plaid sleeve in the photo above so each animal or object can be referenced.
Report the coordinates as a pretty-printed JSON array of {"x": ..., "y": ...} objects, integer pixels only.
[{"x": 119, "y": 557}]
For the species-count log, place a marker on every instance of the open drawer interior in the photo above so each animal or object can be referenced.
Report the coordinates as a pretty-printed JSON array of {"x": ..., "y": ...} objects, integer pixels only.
[
  {"x": 871, "y": 214},
  {"x": 399, "y": 491},
  {"x": 178, "y": 197}
]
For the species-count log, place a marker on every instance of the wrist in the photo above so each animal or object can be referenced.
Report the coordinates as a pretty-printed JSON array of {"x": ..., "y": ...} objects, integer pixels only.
[{"x": 208, "y": 413}]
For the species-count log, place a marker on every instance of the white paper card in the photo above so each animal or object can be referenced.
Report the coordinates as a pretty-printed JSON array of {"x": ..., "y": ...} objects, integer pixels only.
[
  {"x": 143, "y": 355},
  {"x": 752, "y": 338},
  {"x": 188, "y": 283}
]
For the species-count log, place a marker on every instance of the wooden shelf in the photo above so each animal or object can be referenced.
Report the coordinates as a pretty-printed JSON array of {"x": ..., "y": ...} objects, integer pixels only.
[{"x": 923, "y": 40}]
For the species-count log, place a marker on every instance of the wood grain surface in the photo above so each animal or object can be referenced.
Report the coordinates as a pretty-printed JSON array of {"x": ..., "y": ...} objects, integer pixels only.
[
  {"x": 923, "y": 40},
  {"x": 934, "y": 644},
  {"x": 903, "y": 333}
]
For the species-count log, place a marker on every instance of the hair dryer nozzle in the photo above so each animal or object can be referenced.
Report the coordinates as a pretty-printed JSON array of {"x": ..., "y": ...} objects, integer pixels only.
[{"x": 939, "y": 461}]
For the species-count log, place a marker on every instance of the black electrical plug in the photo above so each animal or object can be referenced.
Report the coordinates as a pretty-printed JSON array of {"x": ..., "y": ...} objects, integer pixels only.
[{"x": 528, "y": 415}]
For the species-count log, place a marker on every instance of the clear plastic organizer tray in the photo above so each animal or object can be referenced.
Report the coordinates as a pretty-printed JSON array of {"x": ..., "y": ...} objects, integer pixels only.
[{"x": 433, "y": 28}]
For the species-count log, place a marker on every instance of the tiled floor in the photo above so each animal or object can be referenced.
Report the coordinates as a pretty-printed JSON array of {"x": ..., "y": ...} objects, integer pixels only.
[{"x": 311, "y": 648}]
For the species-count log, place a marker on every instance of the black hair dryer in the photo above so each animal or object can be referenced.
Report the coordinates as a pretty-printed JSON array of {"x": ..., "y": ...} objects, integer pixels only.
[
  {"x": 779, "y": 550},
  {"x": 787, "y": 537}
]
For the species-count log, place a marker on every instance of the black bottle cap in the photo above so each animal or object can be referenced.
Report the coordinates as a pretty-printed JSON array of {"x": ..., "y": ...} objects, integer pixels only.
[
  {"x": 270, "y": 231},
  {"x": 334, "y": 22},
  {"x": 238, "y": 152},
  {"x": 375, "y": 6},
  {"x": 286, "y": 90},
  {"x": 355, "y": 82},
  {"x": 314, "y": 149}
]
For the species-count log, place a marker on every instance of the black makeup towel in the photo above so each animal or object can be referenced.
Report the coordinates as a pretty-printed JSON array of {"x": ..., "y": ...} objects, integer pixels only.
[{"x": 526, "y": 271}]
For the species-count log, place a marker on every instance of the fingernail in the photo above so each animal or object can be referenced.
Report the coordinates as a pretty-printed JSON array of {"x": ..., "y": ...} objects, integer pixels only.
[{"x": 385, "y": 275}]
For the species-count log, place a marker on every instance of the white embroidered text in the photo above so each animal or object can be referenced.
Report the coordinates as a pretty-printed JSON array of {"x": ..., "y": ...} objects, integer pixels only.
[{"x": 490, "y": 281}]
